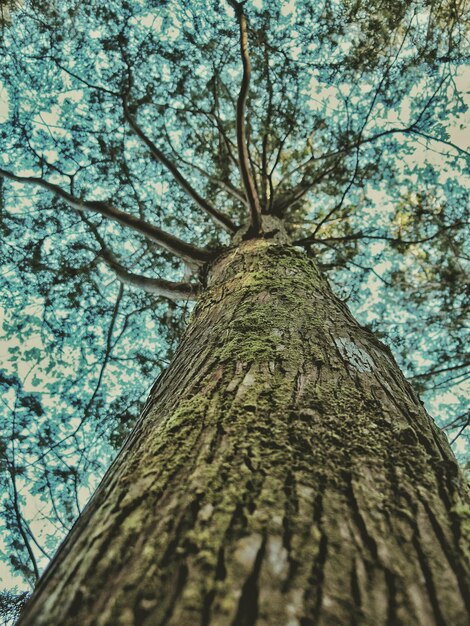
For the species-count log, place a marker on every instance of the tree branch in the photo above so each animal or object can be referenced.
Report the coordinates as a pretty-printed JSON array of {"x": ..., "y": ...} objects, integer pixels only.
[
  {"x": 160, "y": 287},
  {"x": 432, "y": 372},
  {"x": 83, "y": 81},
  {"x": 157, "y": 286},
  {"x": 225, "y": 185},
  {"x": 217, "y": 123},
  {"x": 218, "y": 217},
  {"x": 412, "y": 129},
  {"x": 364, "y": 235},
  {"x": 281, "y": 205},
  {"x": 185, "y": 251},
  {"x": 20, "y": 523},
  {"x": 339, "y": 204},
  {"x": 266, "y": 182},
  {"x": 12, "y": 469},
  {"x": 243, "y": 154},
  {"x": 446, "y": 142}
]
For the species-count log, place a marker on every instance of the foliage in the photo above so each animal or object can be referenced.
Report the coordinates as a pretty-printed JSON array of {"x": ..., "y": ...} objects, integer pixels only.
[
  {"x": 11, "y": 604},
  {"x": 352, "y": 124}
]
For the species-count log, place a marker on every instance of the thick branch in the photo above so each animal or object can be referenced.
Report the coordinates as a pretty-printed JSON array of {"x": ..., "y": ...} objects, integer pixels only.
[
  {"x": 168, "y": 289},
  {"x": 265, "y": 178},
  {"x": 218, "y": 217},
  {"x": 189, "y": 253},
  {"x": 160, "y": 287},
  {"x": 243, "y": 155}
]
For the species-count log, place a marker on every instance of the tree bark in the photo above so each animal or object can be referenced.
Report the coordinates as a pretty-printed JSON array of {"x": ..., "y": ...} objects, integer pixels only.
[{"x": 283, "y": 473}]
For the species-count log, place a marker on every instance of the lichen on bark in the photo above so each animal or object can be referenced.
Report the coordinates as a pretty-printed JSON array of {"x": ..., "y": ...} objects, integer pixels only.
[{"x": 283, "y": 473}]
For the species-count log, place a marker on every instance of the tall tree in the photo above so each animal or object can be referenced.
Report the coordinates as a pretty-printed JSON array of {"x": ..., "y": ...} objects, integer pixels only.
[{"x": 282, "y": 470}]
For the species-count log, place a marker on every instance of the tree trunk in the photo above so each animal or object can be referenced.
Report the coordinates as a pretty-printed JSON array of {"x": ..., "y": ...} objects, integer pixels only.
[{"x": 284, "y": 473}]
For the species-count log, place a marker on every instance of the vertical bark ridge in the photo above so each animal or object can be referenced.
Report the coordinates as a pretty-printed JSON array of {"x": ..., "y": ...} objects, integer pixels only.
[
  {"x": 450, "y": 551},
  {"x": 391, "y": 618},
  {"x": 283, "y": 472},
  {"x": 428, "y": 577},
  {"x": 247, "y": 610},
  {"x": 356, "y": 595}
]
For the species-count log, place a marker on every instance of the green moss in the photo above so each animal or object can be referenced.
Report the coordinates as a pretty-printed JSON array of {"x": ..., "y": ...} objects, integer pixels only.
[
  {"x": 193, "y": 408},
  {"x": 266, "y": 286},
  {"x": 463, "y": 513}
]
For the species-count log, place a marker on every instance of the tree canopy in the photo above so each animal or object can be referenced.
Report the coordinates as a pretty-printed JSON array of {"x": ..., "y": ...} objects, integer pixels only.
[{"x": 138, "y": 136}]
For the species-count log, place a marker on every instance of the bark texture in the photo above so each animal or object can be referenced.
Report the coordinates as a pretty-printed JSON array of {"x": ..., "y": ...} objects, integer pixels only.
[{"x": 284, "y": 473}]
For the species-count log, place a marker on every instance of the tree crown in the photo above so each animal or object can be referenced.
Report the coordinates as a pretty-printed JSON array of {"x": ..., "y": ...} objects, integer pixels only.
[{"x": 139, "y": 136}]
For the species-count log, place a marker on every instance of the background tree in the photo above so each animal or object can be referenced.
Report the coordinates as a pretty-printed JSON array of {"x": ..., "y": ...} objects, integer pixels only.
[{"x": 133, "y": 150}]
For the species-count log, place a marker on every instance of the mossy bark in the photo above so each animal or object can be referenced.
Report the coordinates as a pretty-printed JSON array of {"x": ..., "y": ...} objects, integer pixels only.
[{"x": 283, "y": 473}]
